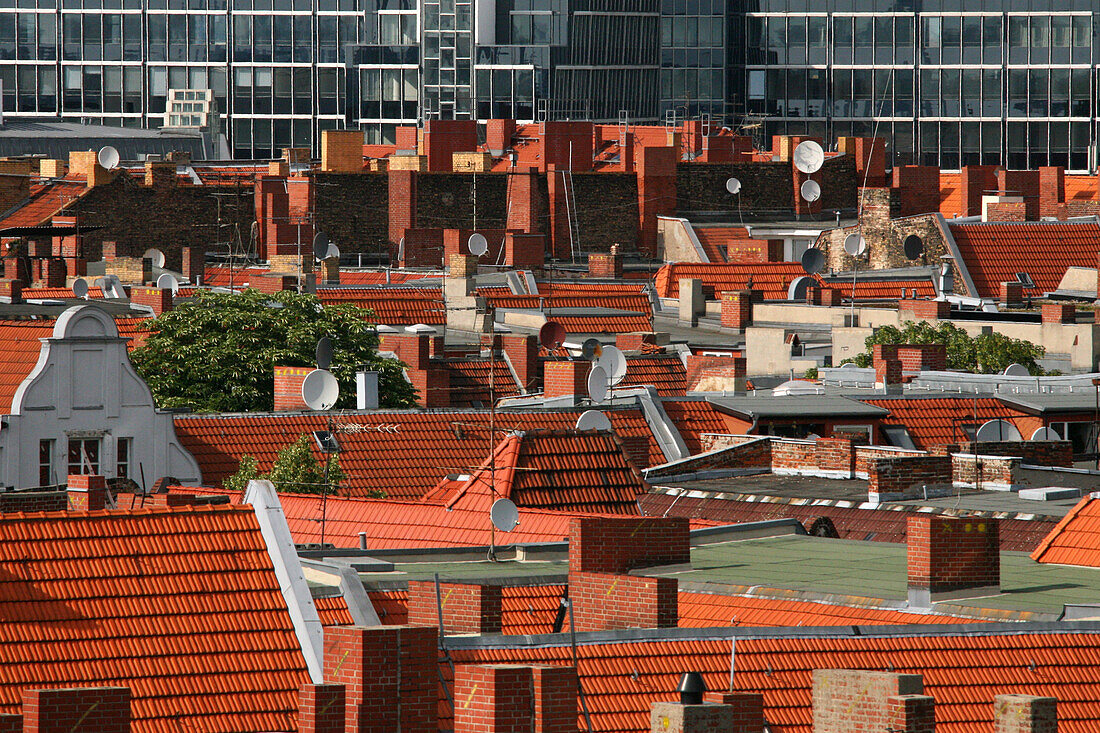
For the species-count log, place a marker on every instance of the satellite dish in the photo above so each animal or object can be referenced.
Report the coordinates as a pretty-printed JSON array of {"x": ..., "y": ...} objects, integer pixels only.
[
  {"x": 855, "y": 245},
  {"x": 733, "y": 185},
  {"x": 332, "y": 251},
  {"x": 995, "y": 431},
  {"x": 108, "y": 157},
  {"x": 168, "y": 281},
  {"x": 323, "y": 352},
  {"x": 1017, "y": 370},
  {"x": 808, "y": 156},
  {"x": 551, "y": 335},
  {"x": 80, "y": 287},
  {"x": 504, "y": 514},
  {"x": 613, "y": 362},
  {"x": 478, "y": 244},
  {"x": 597, "y": 384},
  {"x": 1046, "y": 434},
  {"x": 155, "y": 255},
  {"x": 849, "y": 365},
  {"x": 593, "y": 420},
  {"x": 591, "y": 349},
  {"x": 797, "y": 289},
  {"x": 811, "y": 191},
  {"x": 914, "y": 246},
  {"x": 813, "y": 261},
  {"x": 320, "y": 245},
  {"x": 320, "y": 389}
]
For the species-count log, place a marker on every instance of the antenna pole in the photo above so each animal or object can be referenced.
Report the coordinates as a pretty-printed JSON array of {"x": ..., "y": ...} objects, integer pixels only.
[
  {"x": 324, "y": 489},
  {"x": 492, "y": 443}
]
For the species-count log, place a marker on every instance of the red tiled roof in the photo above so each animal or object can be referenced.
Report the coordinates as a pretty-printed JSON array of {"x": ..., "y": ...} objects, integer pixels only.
[
  {"x": 636, "y": 312},
  {"x": 692, "y": 418},
  {"x": 851, "y": 523},
  {"x": 172, "y": 603},
  {"x": 404, "y": 454},
  {"x": 995, "y": 252},
  {"x": 963, "y": 671},
  {"x": 19, "y": 349},
  {"x": 770, "y": 278},
  {"x": 607, "y": 324},
  {"x": 867, "y": 289},
  {"x": 469, "y": 386},
  {"x": 708, "y": 610},
  {"x": 1076, "y": 539},
  {"x": 55, "y": 293},
  {"x": 951, "y": 198},
  {"x": 526, "y": 609},
  {"x": 716, "y": 240},
  {"x": 45, "y": 202},
  {"x": 558, "y": 470},
  {"x": 665, "y": 372},
  {"x": 392, "y": 306},
  {"x": 392, "y": 606},
  {"x": 220, "y": 276},
  {"x": 333, "y": 611},
  {"x": 939, "y": 420}
]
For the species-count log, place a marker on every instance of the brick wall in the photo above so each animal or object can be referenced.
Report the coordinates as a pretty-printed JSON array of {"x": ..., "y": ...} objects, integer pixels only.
[
  {"x": 989, "y": 472},
  {"x": 321, "y": 708},
  {"x": 1059, "y": 313},
  {"x": 923, "y": 310},
  {"x": 33, "y": 501},
  {"x": 603, "y": 601},
  {"x": 1031, "y": 452},
  {"x": 922, "y": 357},
  {"x": 947, "y": 554},
  {"x": 446, "y": 200},
  {"x": 737, "y": 309},
  {"x": 656, "y": 177},
  {"x": 77, "y": 710},
  {"x": 908, "y": 477},
  {"x": 918, "y": 189},
  {"x": 526, "y": 196},
  {"x": 845, "y": 700},
  {"x": 523, "y": 354},
  {"x": 866, "y": 454},
  {"x": 748, "y": 709},
  {"x": 86, "y": 492},
  {"x": 515, "y": 699},
  {"x": 562, "y": 378},
  {"x": 1006, "y": 211},
  {"x": 675, "y": 717},
  {"x": 468, "y": 608},
  {"x": 888, "y": 369},
  {"x": 619, "y": 545},
  {"x": 342, "y": 151},
  {"x": 402, "y": 206},
  {"x": 1025, "y": 714},
  {"x": 288, "y": 388},
  {"x": 353, "y": 210},
  {"x": 159, "y": 299},
  {"x": 390, "y": 674}
]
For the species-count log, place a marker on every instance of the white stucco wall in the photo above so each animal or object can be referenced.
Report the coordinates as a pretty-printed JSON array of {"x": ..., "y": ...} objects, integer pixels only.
[{"x": 84, "y": 386}]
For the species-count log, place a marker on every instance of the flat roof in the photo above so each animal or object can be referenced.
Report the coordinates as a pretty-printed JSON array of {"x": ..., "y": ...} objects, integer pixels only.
[{"x": 801, "y": 406}]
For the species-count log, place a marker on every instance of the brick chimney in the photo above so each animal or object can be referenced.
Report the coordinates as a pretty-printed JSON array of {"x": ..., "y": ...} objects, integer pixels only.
[
  {"x": 342, "y": 151},
  {"x": 1025, "y": 714},
  {"x": 523, "y": 354},
  {"x": 737, "y": 309},
  {"x": 607, "y": 266},
  {"x": 288, "y": 388},
  {"x": 564, "y": 378},
  {"x": 468, "y": 608},
  {"x": 1059, "y": 313},
  {"x": 736, "y": 712},
  {"x": 847, "y": 700},
  {"x": 87, "y": 491},
  {"x": 159, "y": 299},
  {"x": 84, "y": 163},
  {"x": 12, "y": 290},
  {"x": 321, "y": 708},
  {"x": 884, "y": 358},
  {"x": 952, "y": 557},
  {"x": 160, "y": 174},
  {"x": 193, "y": 266},
  {"x": 515, "y": 699}
]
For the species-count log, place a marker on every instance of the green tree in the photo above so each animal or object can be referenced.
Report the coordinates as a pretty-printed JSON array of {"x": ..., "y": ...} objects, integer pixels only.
[
  {"x": 295, "y": 471},
  {"x": 984, "y": 354},
  {"x": 217, "y": 352}
]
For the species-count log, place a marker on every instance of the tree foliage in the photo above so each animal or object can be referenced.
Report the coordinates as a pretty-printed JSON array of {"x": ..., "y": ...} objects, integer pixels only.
[
  {"x": 984, "y": 354},
  {"x": 295, "y": 471},
  {"x": 217, "y": 352}
]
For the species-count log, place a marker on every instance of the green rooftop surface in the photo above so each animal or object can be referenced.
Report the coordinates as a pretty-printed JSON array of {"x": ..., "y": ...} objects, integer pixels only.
[{"x": 877, "y": 570}]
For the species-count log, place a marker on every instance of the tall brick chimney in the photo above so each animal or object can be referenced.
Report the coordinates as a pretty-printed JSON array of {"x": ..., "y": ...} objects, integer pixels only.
[
  {"x": 468, "y": 608},
  {"x": 952, "y": 557},
  {"x": 1025, "y": 714},
  {"x": 515, "y": 699},
  {"x": 87, "y": 491},
  {"x": 564, "y": 378},
  {"x": 288, "y": 388}
]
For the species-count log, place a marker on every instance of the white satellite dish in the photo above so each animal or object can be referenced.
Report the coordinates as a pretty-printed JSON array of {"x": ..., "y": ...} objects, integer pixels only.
[
  {"x": 504, "y": 514},
  {"x": 797, "y": 388},
  {"x": 593, "y": 420},
  {"x": 855, "y": 245},
  {"x": 155, "y": 255},
  {"x": 320, "y": 390},
  {"x": 168, "y": 282},
  {"x": 733, "y": 185},
  {"x": 478, "y": 244},
  {"x": 1045, "y": 434},
  {"x": 811, "y": 191},
  {"x": 808, "y": 156},
  {"x": 995, "y": 431},
  {"x": 332, "y": 251},
  {"x": 320, "y": 245},
  {"x": 80, "y": 287},
  {"x": 597, "y": 384},
  {"x": 108, "y": 157},
  {"x": 1017, "y": 370},
  {"x": 613, "y": 362}
]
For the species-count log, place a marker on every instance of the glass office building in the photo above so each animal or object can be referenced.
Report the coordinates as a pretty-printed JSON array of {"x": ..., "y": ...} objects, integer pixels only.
[{"x": 946, "y": 82}]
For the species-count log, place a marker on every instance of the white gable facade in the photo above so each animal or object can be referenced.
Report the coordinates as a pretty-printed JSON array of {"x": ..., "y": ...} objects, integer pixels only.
[{"x": 83, "y": 409}]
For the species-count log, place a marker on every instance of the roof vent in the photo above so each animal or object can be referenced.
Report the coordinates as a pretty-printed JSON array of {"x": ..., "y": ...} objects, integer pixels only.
[{"x": 691, "y": 688}]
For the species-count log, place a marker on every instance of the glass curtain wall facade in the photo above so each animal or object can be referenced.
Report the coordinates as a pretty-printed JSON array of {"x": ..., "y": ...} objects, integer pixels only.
[{"x": 946, "y": 82}]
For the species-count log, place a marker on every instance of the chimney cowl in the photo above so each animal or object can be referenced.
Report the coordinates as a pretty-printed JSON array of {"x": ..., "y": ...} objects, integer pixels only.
[{"x": 691, "y": 688}]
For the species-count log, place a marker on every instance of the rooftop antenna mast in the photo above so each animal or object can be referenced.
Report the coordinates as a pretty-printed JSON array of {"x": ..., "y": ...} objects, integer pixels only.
[{"x": 320, "y": 391}]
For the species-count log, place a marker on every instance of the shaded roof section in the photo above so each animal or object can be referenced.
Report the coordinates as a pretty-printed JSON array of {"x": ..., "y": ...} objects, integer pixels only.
[
  {"x": 392, "y": 306},
  {"x": 404, "y": 454},
  {"x": 755, "y": 407},
  {"x": 771, "y": 278},
  {"x": 563, "y": 470},
  {"x": 716, "y": 240},
  {"x": 1076, "y": 539},
  {"x": 934, "y": 421},
  {"x": 172, "y": 603},
  {"x": 470, "y": 381},
  {"x": 624, "y": 674},
  {"x": 995, "y": 251},
  {"x": 692, "y": 418}
]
